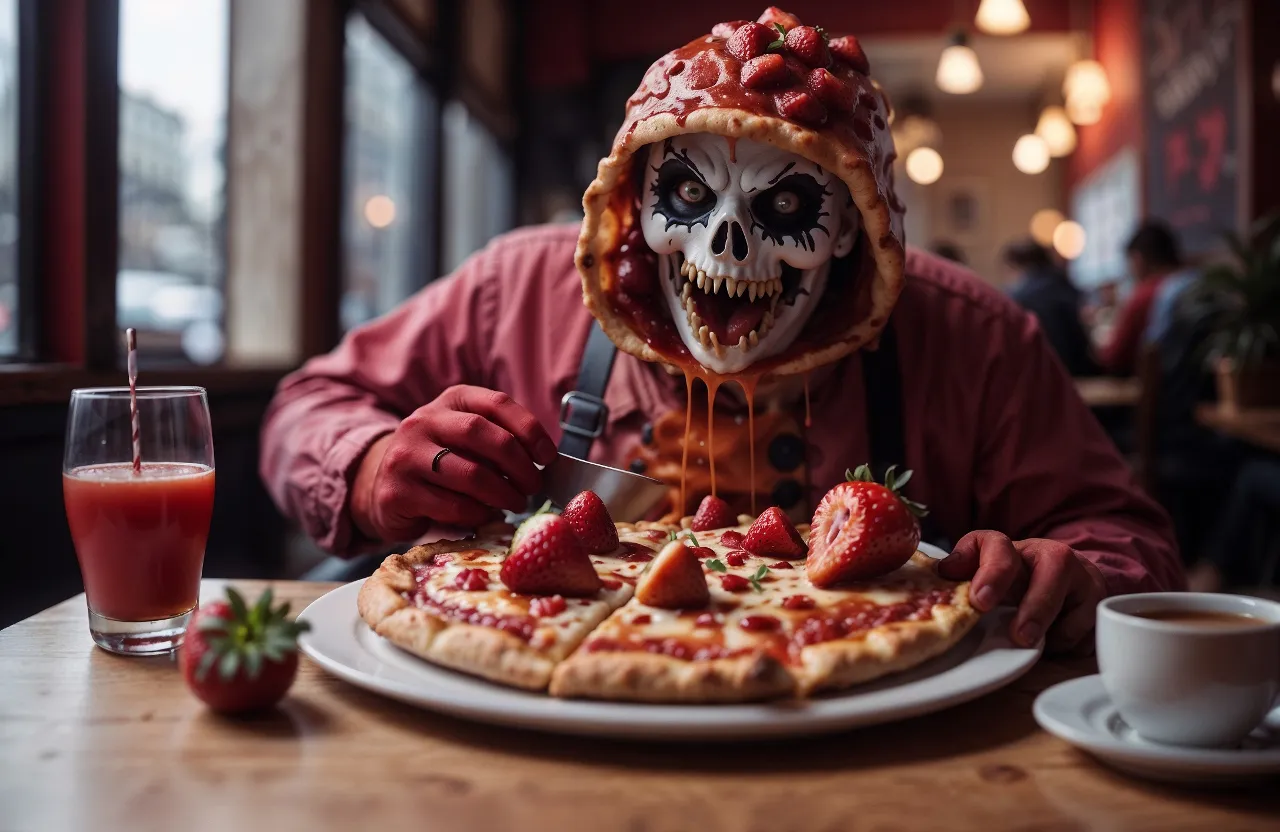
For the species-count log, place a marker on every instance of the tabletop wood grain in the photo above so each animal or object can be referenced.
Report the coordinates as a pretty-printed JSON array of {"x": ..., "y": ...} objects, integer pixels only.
[{"x": 89, "y": 740}]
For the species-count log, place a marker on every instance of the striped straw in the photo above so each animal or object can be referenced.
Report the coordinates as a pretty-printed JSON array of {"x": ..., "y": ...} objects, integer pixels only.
[{"x": 131, "y": 340}]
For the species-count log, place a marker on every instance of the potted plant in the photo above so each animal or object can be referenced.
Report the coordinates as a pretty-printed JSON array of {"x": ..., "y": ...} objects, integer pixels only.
[{"x": 1242, "y": 296}]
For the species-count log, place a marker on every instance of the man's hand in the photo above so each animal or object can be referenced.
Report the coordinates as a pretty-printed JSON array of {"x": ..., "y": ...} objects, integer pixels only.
[
  {"x": 494, "y": 443},
  {"x": 1056, "y": 590}
]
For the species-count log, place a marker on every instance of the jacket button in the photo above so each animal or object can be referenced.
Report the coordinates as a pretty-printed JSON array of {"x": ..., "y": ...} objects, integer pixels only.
[
  {"x": 637, "y": 466},
  {"x": 786, "y": 452},
  {"x": 786, "y": 494},
  {"x": 646, "y": 433}
]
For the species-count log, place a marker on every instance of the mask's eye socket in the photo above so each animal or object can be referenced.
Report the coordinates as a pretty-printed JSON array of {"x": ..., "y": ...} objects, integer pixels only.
[
  {"x": 792, "y": 208},
  {"x": 682, "y": 197}
]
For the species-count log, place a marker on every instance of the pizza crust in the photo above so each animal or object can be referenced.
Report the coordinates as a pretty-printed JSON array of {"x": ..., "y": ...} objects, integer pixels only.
[
  {"x": 481, "y": 651},
  {"x": 890, "y": 648},
  {"x": 646, "y": 677}
]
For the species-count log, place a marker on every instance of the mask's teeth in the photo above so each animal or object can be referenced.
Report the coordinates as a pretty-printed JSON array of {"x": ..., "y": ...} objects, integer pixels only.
[
  {"x": 688, "y": 304},
  {"x": 715, "y": 345},
  {"x": 773, "y": 302},
  {"x": 685, "y": 267},
  {"x": 732, "y": 286},
  {"x": 753, "y": 338},
  {"x": 742, "y": 343},
  {"x": 703, "y": 334},
  {"x": 768, "y": 319},
  {"x": 719, "y": 281},
  {"x": 701, "y": 279},
  {"x": 751, "y": 292},
  {"x": 686, "y": 292},
  {"x": 742, "y": 288}
]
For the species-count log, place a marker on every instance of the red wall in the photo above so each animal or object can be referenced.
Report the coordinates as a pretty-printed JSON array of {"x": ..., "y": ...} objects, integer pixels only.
[{"x": 1117, "y": 46}]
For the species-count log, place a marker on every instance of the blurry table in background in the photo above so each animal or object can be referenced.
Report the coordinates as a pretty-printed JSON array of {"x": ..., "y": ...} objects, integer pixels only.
[
  {"x": 1102, "y": 391},
  {"x": 92, "y": 740},
  {"x": 1259, "y": 427}
]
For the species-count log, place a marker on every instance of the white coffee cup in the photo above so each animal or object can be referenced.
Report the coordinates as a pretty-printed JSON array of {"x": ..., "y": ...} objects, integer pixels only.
[{"x": 1186, "y": 682}]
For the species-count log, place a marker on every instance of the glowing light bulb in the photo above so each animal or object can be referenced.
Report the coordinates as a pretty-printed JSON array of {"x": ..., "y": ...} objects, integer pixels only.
[
  {"x": 924, "y": 165},
  {"x": 1069, "y": 239},
  {"x": 1058, "y": 132},
  {"x": 380, "y": 211},
  {"x": 1030, "y": 154},
  {"x": 1043, "y": 223},
  {"x": 1086, "y": 90},
  {"x": 958, "y": 70},
  {"x": 1002, "y": 17}
]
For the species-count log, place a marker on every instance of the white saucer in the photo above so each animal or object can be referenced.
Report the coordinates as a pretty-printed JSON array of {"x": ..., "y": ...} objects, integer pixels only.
[{"x": 1080, "y": 712}]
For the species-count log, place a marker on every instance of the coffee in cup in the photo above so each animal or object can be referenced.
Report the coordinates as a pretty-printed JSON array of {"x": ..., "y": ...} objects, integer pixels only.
[{"x": 1195, "y": 669}]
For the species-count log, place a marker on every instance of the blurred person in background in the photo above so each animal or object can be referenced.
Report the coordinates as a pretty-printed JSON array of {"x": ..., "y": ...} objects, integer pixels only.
[
  {"x": 1153, "y": 254},
  {"x": 1042, "y": 288},
  {"x": 948, "y": 250}
]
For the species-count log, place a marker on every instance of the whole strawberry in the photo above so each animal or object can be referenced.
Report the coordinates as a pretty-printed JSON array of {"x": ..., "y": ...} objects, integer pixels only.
[
  {"x": 773, "y": 535},
  {"x": 800, "y": 106},
  {"x": 849, "y": 50},
  {"x": 238, "y": 658},
  {"x": 713, "y": 513},
  {"x": 808, "y": 44},
  {"x": 547, "y": 558},
  {"x": 674, "y": 580},
  {"x": 862, "y": 529},
  {"x": 589, "y": 517},
  {"x": 749, "y": 41}
]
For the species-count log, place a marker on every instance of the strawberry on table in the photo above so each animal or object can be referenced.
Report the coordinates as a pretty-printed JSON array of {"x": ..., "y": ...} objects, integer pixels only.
[
  {"x": 238, "y": 658},
  {"x": 547, "y": 558},
  {"x": 713, "y": 513},
  {"x": 587, "y": 514},
  {"x": 773, "y": 534},
  {"x": 674, "y": 580},
  {"x": 863, "y": 529}
]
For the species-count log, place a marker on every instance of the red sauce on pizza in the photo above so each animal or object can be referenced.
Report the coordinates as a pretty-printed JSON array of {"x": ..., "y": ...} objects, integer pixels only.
[
  {"x": 472, "y": 580},
  {"x": 798, "y": 602},
  {"x": 636, "y": 552},
  {"x": 759, "y": 623},
  {"x": 545, "y": 607},
  {"x": 676, "y": 648},
  {"x": 520, "y": 626}
]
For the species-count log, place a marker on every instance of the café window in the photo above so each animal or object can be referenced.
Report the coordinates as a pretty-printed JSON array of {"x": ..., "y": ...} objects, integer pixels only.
[
  {"x": 9, "y": 299},
  {"x": 173, "y": 135},
  {"x": 478, "y": 186},
  {"x": 386, "y": 167}
]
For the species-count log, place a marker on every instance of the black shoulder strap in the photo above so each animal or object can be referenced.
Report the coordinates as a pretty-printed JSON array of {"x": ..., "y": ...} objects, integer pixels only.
[
  {"x": 583, "y": 413},
  {"x": 882, "y": 377}
]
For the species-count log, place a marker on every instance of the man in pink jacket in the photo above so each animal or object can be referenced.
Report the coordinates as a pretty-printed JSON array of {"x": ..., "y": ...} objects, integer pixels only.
[{"x": 741, "y": 230}]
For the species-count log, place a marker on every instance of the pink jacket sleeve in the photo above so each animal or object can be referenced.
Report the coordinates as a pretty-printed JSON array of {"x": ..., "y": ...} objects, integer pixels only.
[
  {"x": 1049, "y": 470},
  {"x": 327, "y": 414}
]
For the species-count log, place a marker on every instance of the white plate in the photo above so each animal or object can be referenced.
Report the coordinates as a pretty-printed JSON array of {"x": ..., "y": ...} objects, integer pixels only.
[
  {"x": 341, "y": 643},
  {"x": 1080, "y": 712}
]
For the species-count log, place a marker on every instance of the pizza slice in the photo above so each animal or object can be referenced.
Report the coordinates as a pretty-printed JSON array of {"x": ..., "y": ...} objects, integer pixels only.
[{"x": 448, "y": 603}]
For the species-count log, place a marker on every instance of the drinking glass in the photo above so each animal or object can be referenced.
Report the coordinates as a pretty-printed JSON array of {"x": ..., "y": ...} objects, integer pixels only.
[{"x": 139, "y": 535}]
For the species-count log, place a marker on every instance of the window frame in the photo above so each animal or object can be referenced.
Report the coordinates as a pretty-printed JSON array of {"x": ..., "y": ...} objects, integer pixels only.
[{"x": 29, "y": 178}]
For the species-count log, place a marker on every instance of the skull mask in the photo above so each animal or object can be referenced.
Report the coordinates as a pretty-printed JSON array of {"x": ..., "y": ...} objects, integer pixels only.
[{"x": 744, "y": 234}]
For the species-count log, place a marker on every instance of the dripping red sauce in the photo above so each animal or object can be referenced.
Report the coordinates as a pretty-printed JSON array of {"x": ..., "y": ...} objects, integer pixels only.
[{"x": 636, "y": 553}]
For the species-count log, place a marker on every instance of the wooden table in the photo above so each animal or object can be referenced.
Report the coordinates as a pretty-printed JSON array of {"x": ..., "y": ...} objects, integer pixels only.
[
  {"x": 1102, "y": 391},
  {"x": 1260, "y": 426},
  {"x": 90, "y": 740}
]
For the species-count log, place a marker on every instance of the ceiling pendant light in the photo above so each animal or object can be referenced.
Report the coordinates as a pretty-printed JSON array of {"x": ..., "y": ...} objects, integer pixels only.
[
  {"x": 958, "y": 69},
  {"x": 1056, "y": 129},
  {"x": 1002, "y": 17},
  {"x": 1030, "y": 154},
  {"x": 1069, "y": 239},
  {"x": 1043, "y": 223},
  {"x": 1086, "y": 90},
  {"x": 924, "y": 165}
]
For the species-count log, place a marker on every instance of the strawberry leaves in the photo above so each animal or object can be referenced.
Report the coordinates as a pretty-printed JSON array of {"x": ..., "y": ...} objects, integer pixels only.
[
  {"x": 759, "y": 576},
  {"x": 715, "y": 565},
  {"x": 779, "y": 44},
  {"x": 246, "y": 637},
  {"x": 892, "y": 481}
]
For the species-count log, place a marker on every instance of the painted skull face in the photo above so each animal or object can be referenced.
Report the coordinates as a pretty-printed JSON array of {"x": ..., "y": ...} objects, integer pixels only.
[{"x": 745, "y": 234}]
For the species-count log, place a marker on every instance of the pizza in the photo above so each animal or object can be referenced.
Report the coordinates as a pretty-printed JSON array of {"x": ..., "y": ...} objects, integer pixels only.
[{"x": 655, "y": 612}]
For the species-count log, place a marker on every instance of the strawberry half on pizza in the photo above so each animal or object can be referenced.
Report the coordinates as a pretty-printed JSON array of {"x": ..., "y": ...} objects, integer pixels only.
[{"x": 715, "y": 609}]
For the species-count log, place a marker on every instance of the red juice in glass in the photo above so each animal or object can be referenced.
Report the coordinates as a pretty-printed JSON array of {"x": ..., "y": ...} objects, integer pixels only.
[
  {"x": 139, "y": 533},
  {"x": 140, "y": 539}
]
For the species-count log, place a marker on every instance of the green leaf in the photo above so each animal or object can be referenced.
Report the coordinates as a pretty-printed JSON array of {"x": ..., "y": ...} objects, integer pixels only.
[
  {"x": 760, "y": 573},
  {"x": 239, "y": 611},
  {"x": 229, "y": 664},
  {"x": 272, "y": 652},
  {"x": 545, "y": 508},
  {"x": 715, "y": 565},
  {"x": 252, "y": 661},
  {"x": 206, "y": 662},
  {"x": 890, "y": 479},
  {"x": 904, "y": 478},
  {"x": 672, "y": 536},
  {"x": 691, "y": 537},
  {"x": 860, "y": 474}
]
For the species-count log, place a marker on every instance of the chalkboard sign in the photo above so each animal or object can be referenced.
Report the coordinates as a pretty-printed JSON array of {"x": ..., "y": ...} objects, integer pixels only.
[{"x": 1191, "y": 99}]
